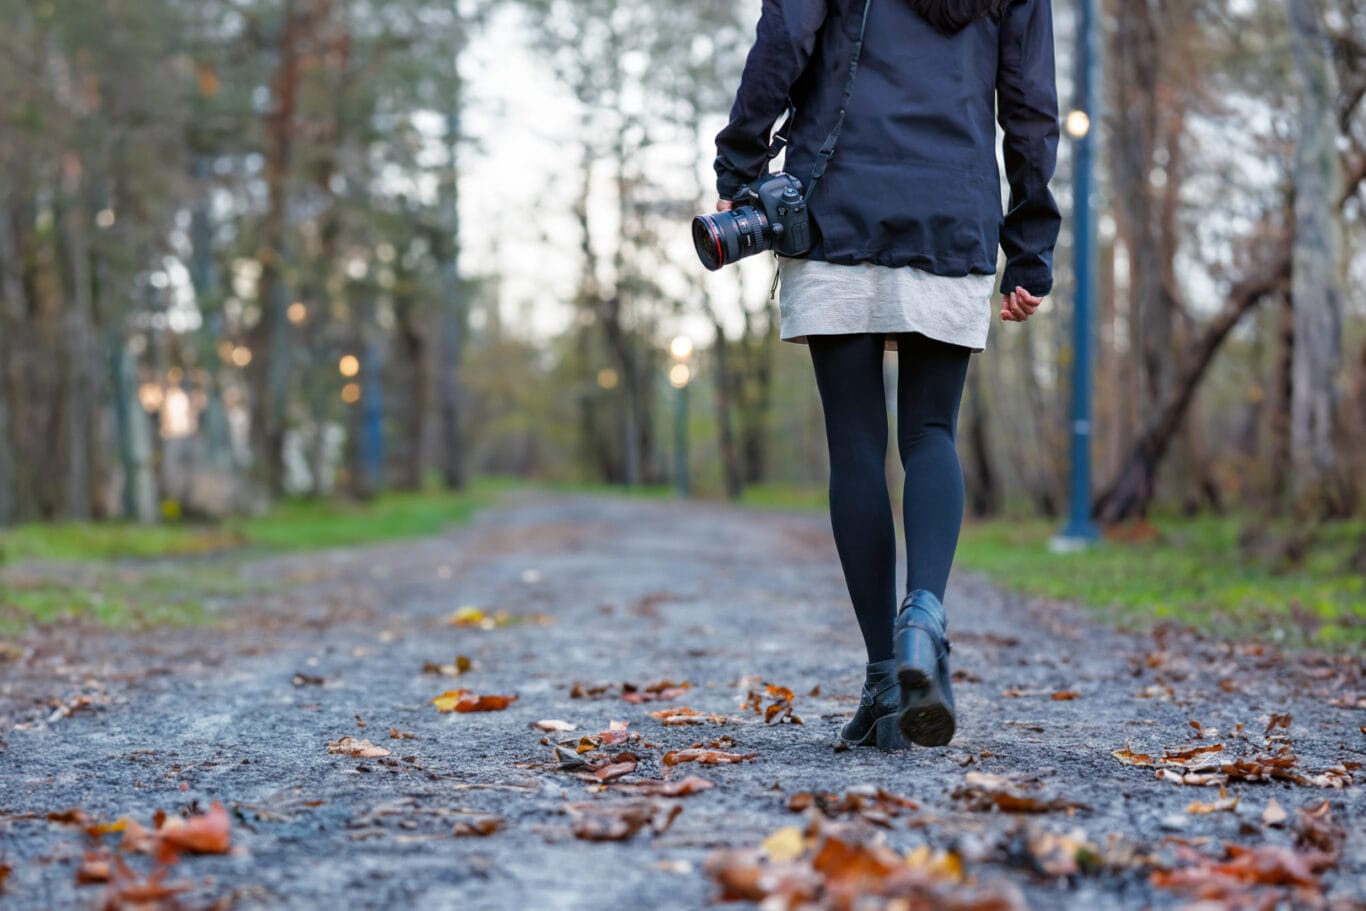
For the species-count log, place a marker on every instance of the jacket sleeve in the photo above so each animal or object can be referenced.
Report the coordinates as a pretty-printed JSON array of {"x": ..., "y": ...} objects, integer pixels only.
[
  {"x": 784, "y": 40},
  {"x": 1027, "y": 109}
]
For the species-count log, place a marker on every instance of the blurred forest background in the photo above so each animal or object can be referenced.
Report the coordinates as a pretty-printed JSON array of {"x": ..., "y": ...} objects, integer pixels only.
[{"x": 253, "y": 249}]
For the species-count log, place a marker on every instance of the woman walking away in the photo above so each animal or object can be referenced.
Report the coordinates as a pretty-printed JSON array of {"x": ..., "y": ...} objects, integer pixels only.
[{"x": 893, "y": 106}]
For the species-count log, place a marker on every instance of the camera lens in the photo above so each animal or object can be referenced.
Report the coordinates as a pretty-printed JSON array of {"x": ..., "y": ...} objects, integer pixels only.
[{"x": 722, "y": 238}]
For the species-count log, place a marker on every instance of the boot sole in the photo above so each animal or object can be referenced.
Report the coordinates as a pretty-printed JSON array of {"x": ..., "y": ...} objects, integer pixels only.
[{"x": 925, "y": 718}]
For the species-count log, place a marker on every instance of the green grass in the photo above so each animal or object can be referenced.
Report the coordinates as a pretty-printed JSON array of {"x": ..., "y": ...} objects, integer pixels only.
[
  {"x": 1194, "y": 573},
  {"x": 291, "y": 525},
  {"x": 113, "y": 584}
]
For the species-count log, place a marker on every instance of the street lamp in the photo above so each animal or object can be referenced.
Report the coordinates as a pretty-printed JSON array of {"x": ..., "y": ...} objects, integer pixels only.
[
  {"x": 1080, "y": 531},
  {"x": 681, "y": 348}
]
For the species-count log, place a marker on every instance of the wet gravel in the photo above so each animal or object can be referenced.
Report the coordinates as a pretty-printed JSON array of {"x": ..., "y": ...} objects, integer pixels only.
[{"x": 609, "y": 590}]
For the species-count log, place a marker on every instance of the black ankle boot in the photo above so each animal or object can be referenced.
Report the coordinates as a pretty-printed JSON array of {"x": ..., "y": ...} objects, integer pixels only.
[
  {"x": 875, "y": 720},
  {"x": 920, "y": 640}
]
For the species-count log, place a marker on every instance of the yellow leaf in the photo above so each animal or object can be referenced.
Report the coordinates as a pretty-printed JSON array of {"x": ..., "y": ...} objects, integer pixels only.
[
  {"x": 943, "y": 864},
  {"x": 446, "y": 702},
  {"x": 784, "y": 844},
  {"x": 468, "y": 615}
]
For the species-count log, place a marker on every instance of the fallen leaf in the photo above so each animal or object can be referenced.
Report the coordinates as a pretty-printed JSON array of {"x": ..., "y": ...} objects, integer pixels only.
[
  {"x": 466, "y": 701},
  {"x": 981, "y": 791},
  {"x": 682, "y": 715},
  {"x": 785, "y": 844},
  {"x": 600, "y": 821},
  {"x": 706, "y": 757},
  {"x": 481, "y": 827},
  {"x": 1129, "y": 757},
  {"x": 873, "y": 805},
  {"x": 361, "y": 749},
  {"x": 209, "y": 833},
  {"x": 1065, "y": 695},
  {"x": 396, "y": 734},
  {"x": 127, "y": 889},
  {"x": 1224, "y": 803},
  {"x": 616, "y": 733},
  {"x": 622, "y": 764},
  {"x": 1273, "y": 815},
  {"x": 94, "y": 868},
  {"x": 658, "y": 691},
  {"x": 1279, "y": 722},
  {"x": 660, "y": 788},
  {"x": 552, "y": 725},
  {"x": 462, "y": 665},
  {"x": 1315, "y": 828}
]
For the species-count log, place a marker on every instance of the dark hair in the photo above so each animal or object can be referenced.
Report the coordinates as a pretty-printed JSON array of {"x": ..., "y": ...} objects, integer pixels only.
[{"x": 950, "y": 16}]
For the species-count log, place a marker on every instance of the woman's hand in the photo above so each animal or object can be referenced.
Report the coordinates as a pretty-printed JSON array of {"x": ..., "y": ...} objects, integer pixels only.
[
  {"x": 724, "y": 205},
  {"x": 1019, "y": 305}
]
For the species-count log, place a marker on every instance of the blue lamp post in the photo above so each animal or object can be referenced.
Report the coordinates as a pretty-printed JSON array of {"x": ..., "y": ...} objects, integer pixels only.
[{"x": 1080, "y": 125}]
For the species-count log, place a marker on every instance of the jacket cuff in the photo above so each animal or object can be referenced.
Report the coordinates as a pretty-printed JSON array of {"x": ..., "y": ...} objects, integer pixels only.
[
  {"x": 728, "y": 186},
  {"x": 1037, "y": 281}
]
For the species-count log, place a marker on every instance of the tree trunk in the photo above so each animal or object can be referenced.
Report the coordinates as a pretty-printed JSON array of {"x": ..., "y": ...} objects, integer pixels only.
[
  {"x": 1316, "y": 286},
  {"x": 983, "y": 490},
  {"x": 270, "y": 367},
  {"x": 731, "y": 473},
  {"x": 1128, "y": 495},
  {"x": 452, "y": 312}
]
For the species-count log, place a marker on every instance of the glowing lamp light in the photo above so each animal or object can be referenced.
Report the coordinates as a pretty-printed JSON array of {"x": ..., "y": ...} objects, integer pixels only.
[
  {"x": 297, "y": 312},
  {"x": 351, "y": 393},
  {"x": 607, "y": 378},
  {"x": 349, "y": 365},
  {"x": 681, "y": 347},
  {"x": 1078, "y": 124},
  {"x": 150, "y": 396},
  {"x": 241, "y": 355},
  {"x": 679, "y": 375}
]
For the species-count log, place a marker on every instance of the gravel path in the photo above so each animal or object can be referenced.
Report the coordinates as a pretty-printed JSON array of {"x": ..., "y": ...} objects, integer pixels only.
[{"x": 602, "y": 592}]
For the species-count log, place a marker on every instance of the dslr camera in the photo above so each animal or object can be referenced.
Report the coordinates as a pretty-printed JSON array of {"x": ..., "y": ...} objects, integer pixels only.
[{"x": 770, "y": 214}]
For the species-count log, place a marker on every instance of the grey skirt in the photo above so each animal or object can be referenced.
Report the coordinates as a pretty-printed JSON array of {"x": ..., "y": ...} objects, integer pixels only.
[{"x": 820, "y": 298}]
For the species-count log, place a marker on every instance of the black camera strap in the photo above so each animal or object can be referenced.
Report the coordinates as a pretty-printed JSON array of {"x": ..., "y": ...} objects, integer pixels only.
[
  {"x": 828, "y": 147},
  {"x": 827, "y": 150}
]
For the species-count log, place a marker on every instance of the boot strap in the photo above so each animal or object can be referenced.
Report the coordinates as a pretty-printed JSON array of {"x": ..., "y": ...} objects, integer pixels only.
[{"x": 870, "y": 694}]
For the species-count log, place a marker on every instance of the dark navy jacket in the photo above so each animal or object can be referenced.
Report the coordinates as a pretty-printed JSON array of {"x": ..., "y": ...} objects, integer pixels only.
[{"x": 914, "y": 179}]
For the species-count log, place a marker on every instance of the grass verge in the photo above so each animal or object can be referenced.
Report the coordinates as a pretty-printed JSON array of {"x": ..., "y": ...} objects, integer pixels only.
[{"x": 1193, "y": 571}]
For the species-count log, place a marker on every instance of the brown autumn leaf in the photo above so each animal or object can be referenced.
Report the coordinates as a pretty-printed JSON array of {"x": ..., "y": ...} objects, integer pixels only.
[
  {"x": 616, "y": 733},
  {"x": 658, "y": 691},
  {"x": 1188, "y": 756},
  {"x": 621, "y": 764},
  {"x": 478, "y": 827},
  {"x": 619, "y": 821},
  {"x": 706, "y": 757},
  {"x": 682, "y": 715},
  {"x": 837, "y": 867},
  {"x": 1315, "y": 828},
  {"x": 982, "y": 792},
  {"x": 5, "y": 871},
  {"x": 396, "y": 734},
  {"x": 361, "y": 749},
  {"x": 1224, "y": 803},
  {"x": 1059, "y": 854},
  {"x": 1280, "y": 721},
  {"x": 692, "y": 784},
  {"x": 461, "y": 665},
  {"x": 94, "y": 868},
  {"x": 1274, "y": 815},
  {"x": 873, "y": 805},
  {"x": 1129, "y": 757},
  {"x": 586, "y": 691},
  {"x": 466, "y": 701},
  {"x": 1065, "y": 695},
  {"x": 207, "y": 833},
  {"x": 1267, "y": 865}
]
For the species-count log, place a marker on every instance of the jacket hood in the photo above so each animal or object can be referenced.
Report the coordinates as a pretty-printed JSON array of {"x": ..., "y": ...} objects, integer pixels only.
[{"x": 952, "y": 16}]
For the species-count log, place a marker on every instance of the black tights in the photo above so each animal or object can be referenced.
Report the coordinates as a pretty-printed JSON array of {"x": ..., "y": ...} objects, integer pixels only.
[{"x": 930, "y": 376}]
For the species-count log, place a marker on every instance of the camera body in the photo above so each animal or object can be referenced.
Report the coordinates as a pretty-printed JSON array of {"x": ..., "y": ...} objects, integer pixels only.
[{"x": 770, "y": 214}]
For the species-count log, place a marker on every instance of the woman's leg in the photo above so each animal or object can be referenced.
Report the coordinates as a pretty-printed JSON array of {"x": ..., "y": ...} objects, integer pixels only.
[
  {"x": 930, "y": 377},
  {"x": 849, "y": 377}
]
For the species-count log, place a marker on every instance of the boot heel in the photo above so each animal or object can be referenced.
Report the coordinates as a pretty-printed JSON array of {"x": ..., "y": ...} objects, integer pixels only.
[
  {"x": 925, "y": 717},
  {"x": 889, "y": 737}
]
